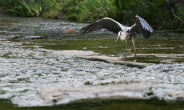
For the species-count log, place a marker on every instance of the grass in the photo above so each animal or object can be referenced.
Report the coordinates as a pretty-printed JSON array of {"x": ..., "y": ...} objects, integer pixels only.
[{"x": 32, "y": 9}]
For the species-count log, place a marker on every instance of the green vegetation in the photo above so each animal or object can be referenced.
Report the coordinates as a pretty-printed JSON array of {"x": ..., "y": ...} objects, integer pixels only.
[
  {"x": 29, "y": 9},
  {"x": 90, "y": 10},
  {"x": 156, "y": 12},
  {"x": 22, "y": 7}
]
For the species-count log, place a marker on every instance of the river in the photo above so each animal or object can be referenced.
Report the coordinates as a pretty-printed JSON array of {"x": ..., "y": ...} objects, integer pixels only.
[{"x": 34, "y": 73}]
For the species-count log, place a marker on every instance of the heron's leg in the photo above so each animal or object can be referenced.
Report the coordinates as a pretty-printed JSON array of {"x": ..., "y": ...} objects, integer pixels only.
[
  {"x": 125, "y": 43},
  {"x": 125, "y": 46},
  {"x": 117, "y": 38},
  {"x": 124, "y": 50},
  {"x": 133, "y": 42}
]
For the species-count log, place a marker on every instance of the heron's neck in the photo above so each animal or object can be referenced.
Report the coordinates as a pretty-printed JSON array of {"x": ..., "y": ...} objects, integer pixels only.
[
  {"x": 123, "y": 35},
  {"x": 125, "y": 29}
]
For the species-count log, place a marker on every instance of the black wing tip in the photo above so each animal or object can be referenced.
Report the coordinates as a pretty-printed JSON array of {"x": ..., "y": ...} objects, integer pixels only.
[
  {"x": 104, "y": 23},
  {"x": 81, "y": 31}
]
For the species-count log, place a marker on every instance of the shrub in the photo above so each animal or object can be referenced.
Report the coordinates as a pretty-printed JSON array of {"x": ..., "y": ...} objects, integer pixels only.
[
  {"x": 179, "y": 18},
  {"x": 52, "y": 7},
  {"x": 155, "y": 12},
  {"x": 89, "y": 10},
  {"x": 23, "y": 7},
  {"x": 32, "y": 8}
]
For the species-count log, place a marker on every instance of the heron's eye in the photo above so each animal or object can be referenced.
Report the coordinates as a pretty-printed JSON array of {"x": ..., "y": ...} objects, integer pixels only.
[{"x": 128, "y": 31}]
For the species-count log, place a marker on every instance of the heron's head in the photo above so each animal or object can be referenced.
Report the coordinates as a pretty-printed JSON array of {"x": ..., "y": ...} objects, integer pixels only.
[{"x": 136, "y": 16}]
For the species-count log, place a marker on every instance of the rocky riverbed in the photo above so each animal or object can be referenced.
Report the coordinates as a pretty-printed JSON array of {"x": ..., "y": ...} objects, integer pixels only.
[
  {"x": 40, "y": 77},
  {"x": 43, "y": 72}
]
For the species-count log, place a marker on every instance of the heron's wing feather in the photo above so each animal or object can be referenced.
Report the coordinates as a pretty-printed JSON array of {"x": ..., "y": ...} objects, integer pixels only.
[
  {"x": 141, "y": 26},
  {"x": 105, "y": 23}
]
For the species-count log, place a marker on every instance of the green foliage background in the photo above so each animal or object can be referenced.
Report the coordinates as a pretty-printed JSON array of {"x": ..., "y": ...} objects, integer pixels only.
[{"x": 154, "y": 11}]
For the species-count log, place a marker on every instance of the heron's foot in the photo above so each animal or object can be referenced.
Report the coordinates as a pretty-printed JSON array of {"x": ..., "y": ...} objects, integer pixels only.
[
  {"x": 122, "y": 56},
  {"x": 135, "y": 58}
]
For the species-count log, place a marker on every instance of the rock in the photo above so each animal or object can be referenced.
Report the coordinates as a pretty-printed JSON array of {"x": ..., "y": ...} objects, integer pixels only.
[
  {"x": 90, "y": 55},
  {"x": 116, "y": 60},
  {"x": 76, "y": 53},
  {"x": 69, "y": 31},
  {"x": 8, "y": 37},
  {"x": 87, "y": 83},
  {"x": 177, "y": 95},
  {"x": 85, "y": 48},
  {"x": 68, "y": 94},
  {"x": 33, "y": 37}
]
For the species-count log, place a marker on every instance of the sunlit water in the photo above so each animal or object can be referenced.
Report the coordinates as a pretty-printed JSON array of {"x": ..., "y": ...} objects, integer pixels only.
[{"x": 29, "y": 66}]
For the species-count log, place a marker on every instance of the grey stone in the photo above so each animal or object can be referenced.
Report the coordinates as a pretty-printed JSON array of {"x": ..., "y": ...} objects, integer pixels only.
[{"x": 33, "y": 37}]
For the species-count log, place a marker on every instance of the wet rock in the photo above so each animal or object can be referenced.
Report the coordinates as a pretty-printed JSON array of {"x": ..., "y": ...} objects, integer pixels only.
[
  {"x": 177, "y": 95},
  {"x": 8, "y": 37},
  {"x": 90, "y": 55},
  {"x": 76, "y": 52},
  {"x": 69, "y": 31},
  {"x": 32, "y": 37},
  {"x": 87, "y": 83},
  {"x": 85, "y": 48},
  {"x": 66, "y": 95}
]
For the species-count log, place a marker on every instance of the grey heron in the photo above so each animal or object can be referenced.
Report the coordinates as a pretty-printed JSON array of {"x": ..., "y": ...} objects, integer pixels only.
[{"x": 124, "y": 32}]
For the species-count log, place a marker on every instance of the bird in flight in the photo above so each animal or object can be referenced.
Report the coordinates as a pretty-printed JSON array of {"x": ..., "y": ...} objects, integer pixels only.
[{"x": 123, "y": 32}]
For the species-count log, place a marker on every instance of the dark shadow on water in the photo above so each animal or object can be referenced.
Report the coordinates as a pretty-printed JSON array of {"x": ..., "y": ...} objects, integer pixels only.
[{"x": 97, "y": 104}]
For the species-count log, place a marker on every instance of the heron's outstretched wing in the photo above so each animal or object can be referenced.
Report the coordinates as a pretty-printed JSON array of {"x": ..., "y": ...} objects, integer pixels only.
[
  {"x": 105, "y": 23},
  {"x": 141, "y": 27}
]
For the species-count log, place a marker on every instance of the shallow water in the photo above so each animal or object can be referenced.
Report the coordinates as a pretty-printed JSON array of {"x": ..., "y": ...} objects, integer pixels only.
[
  {"x": 35, "y": 26},
  {"x": 96, "y": 104},
  {"x": 28, "y": 66},
  {"x": 157, "y": 49}
]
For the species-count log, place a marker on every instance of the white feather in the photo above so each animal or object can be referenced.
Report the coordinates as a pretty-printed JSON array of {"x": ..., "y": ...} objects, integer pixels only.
[{"x": 123, "y": 35}]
